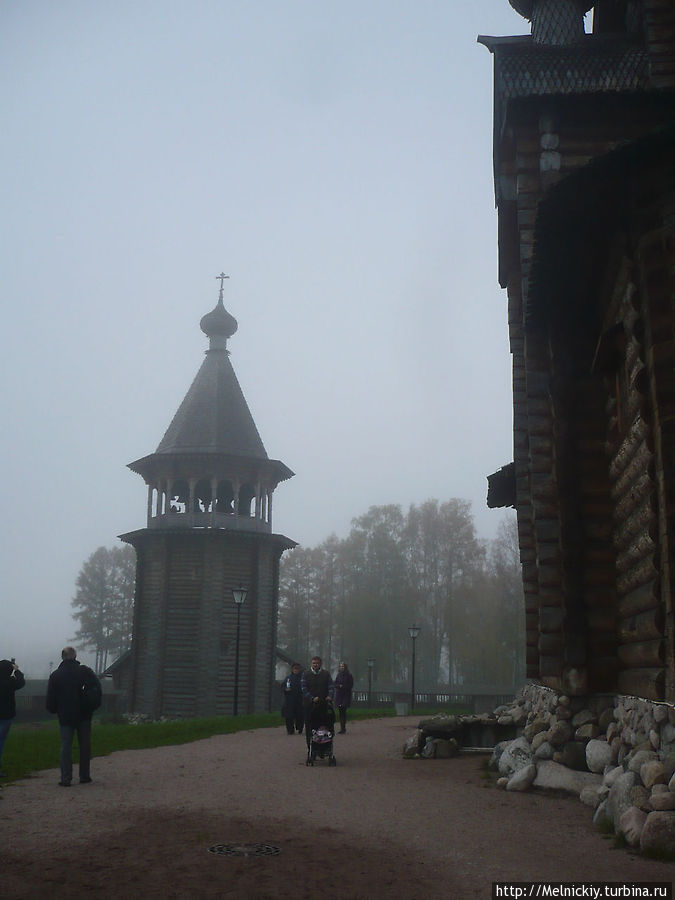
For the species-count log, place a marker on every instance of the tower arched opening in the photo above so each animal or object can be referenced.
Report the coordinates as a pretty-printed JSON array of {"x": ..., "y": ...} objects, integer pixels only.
[
  {"x": 179, "y": 493},
  {"x": 203, "y": 496},
  {"x": 246, "y": 500},
  {"x": 225, "y": 498}
]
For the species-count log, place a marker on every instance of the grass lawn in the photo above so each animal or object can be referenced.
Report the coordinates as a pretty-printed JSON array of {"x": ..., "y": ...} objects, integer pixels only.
[{"x": 33, "y": 747}]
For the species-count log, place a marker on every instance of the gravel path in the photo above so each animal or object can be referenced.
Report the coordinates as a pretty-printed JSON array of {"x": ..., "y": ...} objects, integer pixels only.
[{"x": 374, "y": 825}]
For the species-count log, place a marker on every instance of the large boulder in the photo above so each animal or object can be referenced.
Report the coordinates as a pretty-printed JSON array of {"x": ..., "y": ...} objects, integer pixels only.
[
  {"x": 553, "y": 776},
  {"x": 631, "y": 825},
  {"x": 619, "y": 799},
  {"x": 515, "y": 756},
  {"x": 497, "y": 750},
  {"x": 544, "y": 751},
  {"x": 668, "y": 763},
  {"x": 573, "y": 755},
  {"x": 599, "y": 755},
  {"x": 522, "y": 778},
  {"x": 658, "y": 834},
  {"x": 411, "y": 748},
  {"x": 559, "y": 733},
  {"x": 590, "y": 796},
  {"x": 611, "y": 775},
  {"x": 585, "y": 733},
  {"x": 441, "y": 726},
  {"x": 653, "y": 772},
  {"x": 640, "y": 797},
  {"x": 638, "y": 758},
  {"x": 664, "y": 800},
  {"x": 535, "y": 727}
]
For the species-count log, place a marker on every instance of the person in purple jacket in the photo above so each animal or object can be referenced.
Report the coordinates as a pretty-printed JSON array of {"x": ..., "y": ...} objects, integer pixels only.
[{"x": 344, "y": 682}]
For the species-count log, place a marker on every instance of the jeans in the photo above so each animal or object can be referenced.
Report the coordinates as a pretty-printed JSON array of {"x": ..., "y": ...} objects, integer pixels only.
[
  {"x": 83, "y": 731},
  {"x": 4, "y": 731}
]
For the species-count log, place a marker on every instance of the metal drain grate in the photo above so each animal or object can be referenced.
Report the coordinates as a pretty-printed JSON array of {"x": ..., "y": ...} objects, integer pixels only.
[{"x": 245, "y": 850}]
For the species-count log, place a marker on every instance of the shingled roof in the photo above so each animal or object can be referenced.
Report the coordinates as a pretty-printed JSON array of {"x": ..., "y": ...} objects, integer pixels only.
[{"x": 214, "y": 416}]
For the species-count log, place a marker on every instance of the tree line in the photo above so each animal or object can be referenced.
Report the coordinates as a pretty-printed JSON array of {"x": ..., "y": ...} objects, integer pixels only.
[{"x": 356, "y": 598}]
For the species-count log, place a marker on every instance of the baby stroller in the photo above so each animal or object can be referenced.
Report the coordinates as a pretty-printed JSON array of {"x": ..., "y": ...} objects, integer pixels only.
[{"x": 322, "y": 729}]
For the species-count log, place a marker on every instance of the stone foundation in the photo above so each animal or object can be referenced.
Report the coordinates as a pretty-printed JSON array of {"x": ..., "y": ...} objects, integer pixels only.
[{"x": 616, "y": 753}]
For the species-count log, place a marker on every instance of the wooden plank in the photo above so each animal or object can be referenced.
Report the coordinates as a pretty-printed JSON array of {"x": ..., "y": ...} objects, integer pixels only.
[
  {"x": 643, "y": 626},
  {"x": 642, "y": 654},
  {"x": 648, "y": 683},
  {"x": 642, "y": 573},
  {"x": 640, "y": 599}
]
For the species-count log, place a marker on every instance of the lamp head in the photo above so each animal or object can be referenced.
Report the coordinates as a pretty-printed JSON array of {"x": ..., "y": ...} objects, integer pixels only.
[{"x": 239, "y": 595}]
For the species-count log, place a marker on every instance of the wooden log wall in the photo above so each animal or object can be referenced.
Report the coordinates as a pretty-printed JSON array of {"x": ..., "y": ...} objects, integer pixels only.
[
  {"x": 551, "y": 648},
  {"x": 184, "y": 654},
  {"x": 521, "y": 460},
  {"x": 586, "y": 515},
  {"x": 660, "y": 31},
  {"x": 182, "y": 630},
  {"x": 632, "y": 471},
  {"x": 149, "y": 609},
  {"x": 536, "y": 494},
  {"x": 656, "y": 256},
  {"x": 623, "y": 569}
]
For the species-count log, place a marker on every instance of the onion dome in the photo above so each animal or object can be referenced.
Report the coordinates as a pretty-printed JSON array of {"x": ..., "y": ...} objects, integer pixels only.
[{"x": 218, "y": 325}]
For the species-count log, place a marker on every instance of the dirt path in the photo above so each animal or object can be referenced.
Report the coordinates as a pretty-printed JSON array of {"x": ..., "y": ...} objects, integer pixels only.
[{"x": 376, "y": 825}]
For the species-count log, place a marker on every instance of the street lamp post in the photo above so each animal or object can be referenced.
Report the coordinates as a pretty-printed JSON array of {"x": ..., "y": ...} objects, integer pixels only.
[
  {"x": 239, "y": 596},
  {"x": 413, "y": 631},
  {"x": 371, "y": 666}
]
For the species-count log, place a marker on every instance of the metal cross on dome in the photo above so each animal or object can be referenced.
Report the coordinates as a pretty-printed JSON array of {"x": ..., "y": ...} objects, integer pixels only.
[{"x": 222, "y": 278}]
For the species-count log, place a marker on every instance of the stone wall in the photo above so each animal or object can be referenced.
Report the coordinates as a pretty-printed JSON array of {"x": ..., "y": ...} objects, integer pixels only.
[{"x": 616, "y": 752}]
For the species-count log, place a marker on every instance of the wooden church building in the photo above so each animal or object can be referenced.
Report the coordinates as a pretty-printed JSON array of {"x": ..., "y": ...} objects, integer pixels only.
[
  {"x": 584, "y": 168},
  {"x": 210, "y": 483}
]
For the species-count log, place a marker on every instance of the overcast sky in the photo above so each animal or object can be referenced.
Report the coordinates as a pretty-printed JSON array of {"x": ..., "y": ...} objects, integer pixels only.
[{"x": 336, "y": 161}]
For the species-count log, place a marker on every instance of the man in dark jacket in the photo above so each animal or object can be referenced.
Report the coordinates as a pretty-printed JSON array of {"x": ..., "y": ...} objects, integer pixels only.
[
  {"x": 316, "y": 685},
  {"x": 11, "y": 680},
  {"x": 66, "y": 696}
]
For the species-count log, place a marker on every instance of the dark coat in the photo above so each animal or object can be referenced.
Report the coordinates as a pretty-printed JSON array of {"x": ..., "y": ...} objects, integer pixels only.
[
  {"x": 344, "y": 682},
  {"x": 316, "y": 685},
  {"x": 9, "y": 684},
  {"x": 292, "y": 691},
  {"x": 64, "y": 692}
]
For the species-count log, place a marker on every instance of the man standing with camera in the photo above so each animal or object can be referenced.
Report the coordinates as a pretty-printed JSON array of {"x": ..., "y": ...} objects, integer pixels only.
[{"x": 11, "y": 680}]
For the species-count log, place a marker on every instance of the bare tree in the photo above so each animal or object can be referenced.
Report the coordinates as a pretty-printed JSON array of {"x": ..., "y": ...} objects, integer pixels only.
[
  {"x": 103, "y": 603},
  {"x": 355, "y": 598}
]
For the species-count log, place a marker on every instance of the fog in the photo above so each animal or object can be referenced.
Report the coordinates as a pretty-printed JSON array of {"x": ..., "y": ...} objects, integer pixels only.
[{"x": 336, "y": 161}]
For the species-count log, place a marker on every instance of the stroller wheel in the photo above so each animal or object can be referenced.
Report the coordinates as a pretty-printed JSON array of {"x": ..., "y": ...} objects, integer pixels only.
[{"x": 332, "y": 761}]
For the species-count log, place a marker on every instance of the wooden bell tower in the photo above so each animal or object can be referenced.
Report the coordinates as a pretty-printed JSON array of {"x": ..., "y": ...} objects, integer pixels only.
[{"x": 208, "y": 533}]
